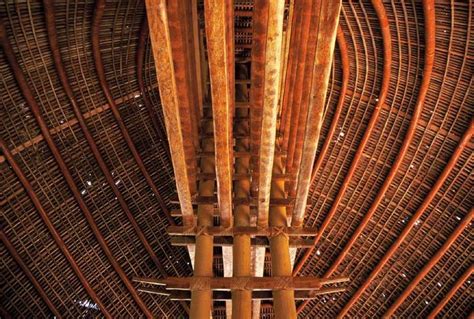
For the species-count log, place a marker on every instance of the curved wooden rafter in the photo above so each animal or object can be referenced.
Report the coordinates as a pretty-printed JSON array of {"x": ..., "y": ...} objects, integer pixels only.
[
  {"x": 52, "y": 230},
  {"x": 431, "y": 263},
  {"x": 459, "y": 282},
  {"x": 95, "y": 40},
  {"x": 434, "y": 190},
  {"x": 140, "y": 57},
  {"x": 35, "y": 109},
  {"x": 58, "y": 63},
  {"x": 400, "y": 156},
  {"x": 16, "y": 256},
  {"x": 379, "y": 8}
]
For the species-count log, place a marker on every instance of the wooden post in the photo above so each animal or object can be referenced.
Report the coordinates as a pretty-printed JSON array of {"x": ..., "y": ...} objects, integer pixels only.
[
  {"x": 283, "y": 300},
  {"x": 201, "y": 300},
  {"x": 242, "y": 299}
]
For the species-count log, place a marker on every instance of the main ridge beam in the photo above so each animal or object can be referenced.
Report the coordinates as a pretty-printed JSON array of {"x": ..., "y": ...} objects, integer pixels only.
[
  {"x": 180, "y": 145},
  {"x": 328, "y": 22}
]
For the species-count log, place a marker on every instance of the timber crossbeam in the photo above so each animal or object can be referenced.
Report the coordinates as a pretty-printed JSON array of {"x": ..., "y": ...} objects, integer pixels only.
[
  {"x": 222, "y": 241},
  {"x": 241, "y": 230},
  {"x": 251, "y": 201},
  {"x": 242, "y": 283},
  {"x": 218, "y": 295}
]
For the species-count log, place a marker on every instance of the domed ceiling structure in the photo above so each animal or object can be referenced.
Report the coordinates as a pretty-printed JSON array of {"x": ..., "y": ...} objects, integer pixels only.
[{"x": 353, "y": 120}]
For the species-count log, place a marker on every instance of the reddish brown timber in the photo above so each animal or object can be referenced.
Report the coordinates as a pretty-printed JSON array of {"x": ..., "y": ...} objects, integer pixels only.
[
  {"x": 219, "y": 34},
  {"x": 241, "y": 230},
  {"x": 163, "y": 55},
  {"x": 35, "y": 109},
  {"x": 294, "y": 242},
  {"x": 183, "y": 295},
  {"x": 52, "y": 230},
  {"x": 241, "y": 283},
  {"x": 13, "y": 252},
  {"x": 328, "y": 22}
]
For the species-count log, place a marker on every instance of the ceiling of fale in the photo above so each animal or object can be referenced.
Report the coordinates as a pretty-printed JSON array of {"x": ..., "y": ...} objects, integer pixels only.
[{"x": 393, "y": 185}]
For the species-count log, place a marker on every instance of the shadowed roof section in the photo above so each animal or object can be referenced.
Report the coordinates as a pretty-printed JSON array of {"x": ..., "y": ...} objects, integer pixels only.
[{"x": 121, "y": 119}]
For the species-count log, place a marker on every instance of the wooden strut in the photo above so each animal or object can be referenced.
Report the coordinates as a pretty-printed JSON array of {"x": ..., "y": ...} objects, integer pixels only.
[
  {"x": 35, "y": 109},
  {"x": 52, "y": 230},
  {"x": 411, "y": 223},
  {"x": 97, "y": 56},
  {"x": 241, "y": 283},
  {"x": 208, "y": 200},
  {"x": 13, "y": 252}
]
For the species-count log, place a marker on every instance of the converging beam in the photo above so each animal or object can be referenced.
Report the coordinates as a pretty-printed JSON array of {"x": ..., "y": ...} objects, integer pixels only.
[
  {"x": 168, "y": 86},
  {"x": 273, "y": 55},
  {"x": 328, "y": 22},
  {"x": 220, "y": 37}
]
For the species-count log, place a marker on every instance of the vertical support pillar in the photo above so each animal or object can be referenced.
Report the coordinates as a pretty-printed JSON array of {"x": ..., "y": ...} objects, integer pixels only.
[
  {"x": 201, "y": 301},
  {"x": 283, "y": 300},
  {"x": 242, "y": 299}
]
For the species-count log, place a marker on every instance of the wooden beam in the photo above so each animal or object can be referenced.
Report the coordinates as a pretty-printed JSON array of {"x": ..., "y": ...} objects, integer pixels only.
[
  {"x": 328, "y": 22},
  {"x": 219, "y": 295},
  {"x": 241, "y": 230},
  {"x": 459, "y": 282},
  {"x": 198, "y": 200},
  {"x": 272, "y": 65},
  {"x": 241, "y": 283},
  {"x": 284, "y": 303},
  {"x": 229, "y": 241},
  {"x": 52, "y": 230},
  {"x": 16, "y": 256},
  {"x": 463, "y": 144},
  {"x": 431, "y": 263},
  {"x": 35, "y": 109},
  {"x": 219, "y": 33},
  {"x": 167, "y": 83}
]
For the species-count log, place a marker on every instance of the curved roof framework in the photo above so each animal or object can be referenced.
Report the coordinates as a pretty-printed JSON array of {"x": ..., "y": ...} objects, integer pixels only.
[{"x": 88, "y": 186}]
